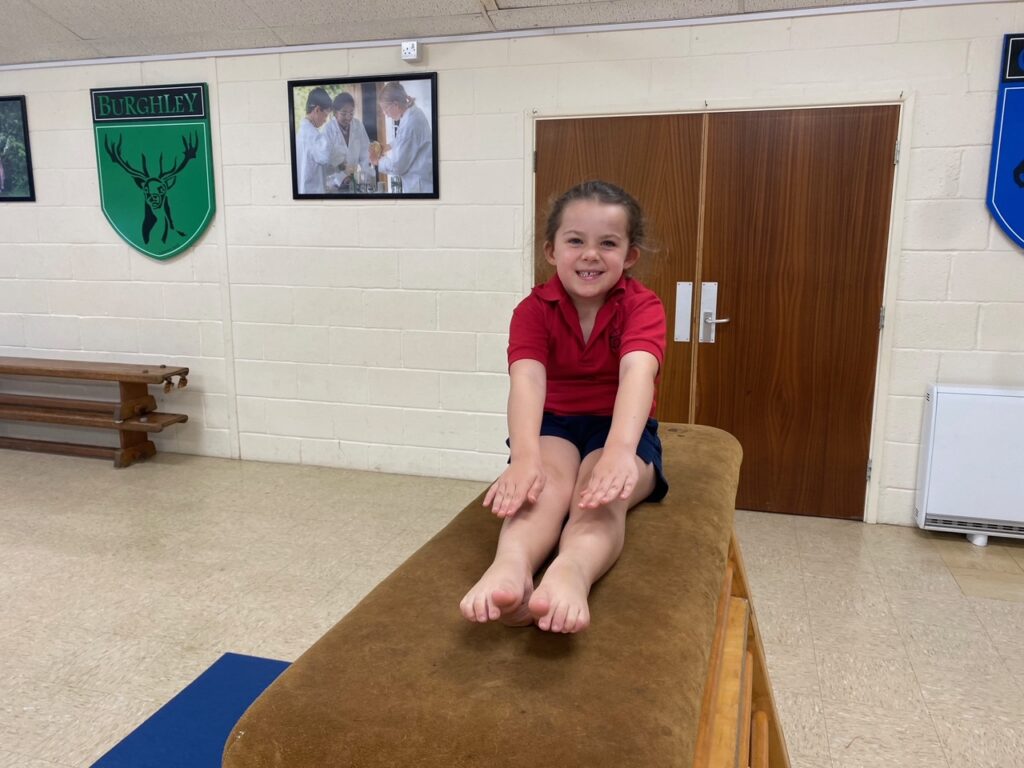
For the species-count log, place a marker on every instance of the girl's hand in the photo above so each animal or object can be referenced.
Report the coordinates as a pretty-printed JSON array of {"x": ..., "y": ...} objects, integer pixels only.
[
  {"x": 522, "y": 482},
  {"x": 614, "y": 477}
]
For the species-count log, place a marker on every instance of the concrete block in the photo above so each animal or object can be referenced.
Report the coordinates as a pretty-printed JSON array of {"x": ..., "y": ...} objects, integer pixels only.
[
  {"x": 266, "y": 379},
  {"x": 987, "y": 276},
  {"x": 438, "y": 270},
  {"x": 483, "y": 182},
  {"x": 945, "y": 225},
  {"x": 904, "y": 416},
  {"x": 601, "y": 46},
  {"x": 482, "y": 137},
  {"x": 836, "y": 31},
  {"x": 111, "y": 335},
  {"x": 912, "y": 371},
  {"x": 253, "y": 144},
  {"x": 368, "y": 347},
  {"x": 299, "y": 343},
  {"x": 953, "y": 120},
  {"x": 955, "y": 21},
  {"x": 256, "y": 447},
  {"x": 328, "y": 306},
  {"x": 900, "y": 466},
  {"x": 262, "y": 304},
  {"x": 192, "y": 302},
  {"x": 1001, "y": 327},
  {"x": 471, "y": 465},
  {"x": 896, "y": 507},
  {"x": 211, "y": 338},
  {"x": 492, "y": 352},
  {"x": 404, "y": 388},
  {"x": 100, "y": 262},
  {"x": 333, "y": 453},
  {"x": 438, "y": 429},
  {"x": 296, "y": 418},
  {"x": 486, "y": 392},
  {"x": 936, "y": 325},
  {"x": 368, "y": 424},
  {"x": 410, "y": 225},
  {"x": 476, "y": 312},
  {"x": 431, "y": 350},
  {"x": 476, "y": 226},
  {"x": 924, "y": 275},
  {"x": 406, "y": 460},
  {"x": 169, "y": 337},
  {"x": 515, "y": 89},
  {"x": 992, "y": 369},
  {"x": 406, "y": 310},
  {"x": 258, "y": 67},
  {"x": 52, "y": 332},
  {"x": 252, "y": 414},
  {"x": 934, "y": 173}
]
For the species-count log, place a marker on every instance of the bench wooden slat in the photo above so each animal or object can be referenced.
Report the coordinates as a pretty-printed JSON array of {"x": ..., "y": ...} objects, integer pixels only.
[
  {"x": 759, "y": 741},
  {"x": 726, "y": 729},
  {"x": 35, "y": 401},
  {"x": 150, "y": 422},
  {"x": 64, "y": 449},
  {"x": 89, "y": 370}
]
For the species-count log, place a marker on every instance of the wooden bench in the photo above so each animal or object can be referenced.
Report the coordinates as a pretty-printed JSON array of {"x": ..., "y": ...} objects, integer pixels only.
[
  {"x": 133, "y": 415},
  {"x": 670, "y": 673}
]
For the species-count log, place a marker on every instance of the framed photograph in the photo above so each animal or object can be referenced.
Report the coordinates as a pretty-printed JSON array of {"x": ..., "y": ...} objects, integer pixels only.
[
  {"x": 364, "y": 137},
  {"x": 16, "y": 183}
]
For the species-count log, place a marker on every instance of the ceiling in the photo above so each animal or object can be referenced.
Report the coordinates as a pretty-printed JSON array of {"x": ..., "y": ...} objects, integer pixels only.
[{"x": 34, "y": 31}]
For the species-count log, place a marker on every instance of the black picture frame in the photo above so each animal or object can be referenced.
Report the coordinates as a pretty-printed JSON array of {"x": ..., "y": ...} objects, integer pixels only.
[
  {"x": 16, "y": 182},
  {"x": 408, "y": 169}
]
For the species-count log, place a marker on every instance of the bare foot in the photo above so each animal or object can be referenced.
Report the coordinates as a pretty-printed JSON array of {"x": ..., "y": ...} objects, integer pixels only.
[
  {"x": 559, "y": 604},
  {"x": 501, "y": 595}
]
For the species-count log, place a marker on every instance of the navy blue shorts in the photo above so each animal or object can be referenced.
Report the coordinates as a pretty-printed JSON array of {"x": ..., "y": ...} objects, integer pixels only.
[{"x": 588, "y": 433}]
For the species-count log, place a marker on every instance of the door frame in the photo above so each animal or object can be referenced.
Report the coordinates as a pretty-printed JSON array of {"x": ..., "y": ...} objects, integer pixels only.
[{"x": 883, "y": 363}]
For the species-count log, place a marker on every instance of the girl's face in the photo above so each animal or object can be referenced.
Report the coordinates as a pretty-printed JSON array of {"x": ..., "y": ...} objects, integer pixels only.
[{"x": 591, "y": 250}]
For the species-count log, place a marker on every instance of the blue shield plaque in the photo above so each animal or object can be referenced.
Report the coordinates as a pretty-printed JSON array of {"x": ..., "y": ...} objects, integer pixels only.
[{"x": 1006, "y": 171}]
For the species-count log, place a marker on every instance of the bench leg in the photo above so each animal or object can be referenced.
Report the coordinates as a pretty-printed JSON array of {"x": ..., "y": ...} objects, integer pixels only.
[{"x": 135, "y": 446}]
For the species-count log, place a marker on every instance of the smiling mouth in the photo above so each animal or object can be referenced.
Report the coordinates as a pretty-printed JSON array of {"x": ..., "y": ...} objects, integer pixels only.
[{"x": 588, "y": 275}]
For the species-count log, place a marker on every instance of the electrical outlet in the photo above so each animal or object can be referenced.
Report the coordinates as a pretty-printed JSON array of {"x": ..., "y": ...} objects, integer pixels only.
[{"x": 410, "y": 51}]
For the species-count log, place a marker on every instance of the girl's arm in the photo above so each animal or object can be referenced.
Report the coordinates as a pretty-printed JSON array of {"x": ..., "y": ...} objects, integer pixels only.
[
  {"x": 616, "y": 474},
  {"x": 524, "y": 478}
]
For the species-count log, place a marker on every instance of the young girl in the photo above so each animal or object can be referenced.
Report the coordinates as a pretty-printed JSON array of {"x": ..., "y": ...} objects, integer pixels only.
[{"x": 584, "y": 353}]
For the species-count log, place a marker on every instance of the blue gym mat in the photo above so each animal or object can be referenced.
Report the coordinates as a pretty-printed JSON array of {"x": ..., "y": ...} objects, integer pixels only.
[{"x": 189, "y": 731}]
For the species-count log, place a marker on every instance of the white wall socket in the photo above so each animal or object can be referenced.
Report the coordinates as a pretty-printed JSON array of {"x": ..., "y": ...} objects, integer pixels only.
[{"x": 410, "y": 51}]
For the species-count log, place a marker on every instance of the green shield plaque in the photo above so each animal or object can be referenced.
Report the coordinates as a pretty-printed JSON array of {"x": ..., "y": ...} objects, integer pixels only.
[{"x": 154, "y": 163}]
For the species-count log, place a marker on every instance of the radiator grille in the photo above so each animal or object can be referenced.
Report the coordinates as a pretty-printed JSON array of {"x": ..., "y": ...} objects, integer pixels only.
[{"x": 1006, "y": 529}]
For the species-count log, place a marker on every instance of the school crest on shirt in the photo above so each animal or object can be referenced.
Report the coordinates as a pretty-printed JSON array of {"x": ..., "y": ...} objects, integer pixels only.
[
  {"x": 155, "y": 165},
  {"x": 1005, "y": 197}
]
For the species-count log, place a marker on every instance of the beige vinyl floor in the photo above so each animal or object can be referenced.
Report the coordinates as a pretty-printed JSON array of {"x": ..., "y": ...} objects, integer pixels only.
[{"x": 887, "y": 646}]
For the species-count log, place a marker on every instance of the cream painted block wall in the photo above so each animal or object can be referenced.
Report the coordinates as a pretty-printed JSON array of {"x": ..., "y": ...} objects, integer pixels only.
[{"x": 371, "y": 334}]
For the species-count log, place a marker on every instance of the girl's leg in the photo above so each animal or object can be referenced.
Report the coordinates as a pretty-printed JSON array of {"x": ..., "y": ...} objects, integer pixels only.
[
  {"x": 526, "y": 539},
  {"x": 590, "y": 544}
]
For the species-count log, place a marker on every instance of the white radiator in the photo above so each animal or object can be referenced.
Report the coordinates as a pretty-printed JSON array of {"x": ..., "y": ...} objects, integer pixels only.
[{"x": 970, "y": 476}]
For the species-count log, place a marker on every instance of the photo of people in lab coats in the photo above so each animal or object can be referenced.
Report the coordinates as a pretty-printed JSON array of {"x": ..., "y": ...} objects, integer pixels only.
[{"x": 364, "y": 137}]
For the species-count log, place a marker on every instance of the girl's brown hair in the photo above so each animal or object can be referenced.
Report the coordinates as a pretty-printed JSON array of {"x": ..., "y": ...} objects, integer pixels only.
[{"x": 609, "y": 194}]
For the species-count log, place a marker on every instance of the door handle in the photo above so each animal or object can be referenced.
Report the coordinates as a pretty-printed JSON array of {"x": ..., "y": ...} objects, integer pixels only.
[{"x": 709, "y": 312}]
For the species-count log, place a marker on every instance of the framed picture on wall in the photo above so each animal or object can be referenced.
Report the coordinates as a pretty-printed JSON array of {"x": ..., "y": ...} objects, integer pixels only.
[
  {"x": 364, "y": 137},
  {"x": 16, "y": 184}
]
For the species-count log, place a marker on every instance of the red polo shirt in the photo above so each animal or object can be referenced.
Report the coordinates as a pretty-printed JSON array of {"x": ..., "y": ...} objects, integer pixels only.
[{"x": 583, "y": 378}]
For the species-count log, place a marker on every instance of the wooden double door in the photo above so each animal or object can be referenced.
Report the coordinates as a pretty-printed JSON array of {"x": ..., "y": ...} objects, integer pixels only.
[{"x": 786, "y": 215}]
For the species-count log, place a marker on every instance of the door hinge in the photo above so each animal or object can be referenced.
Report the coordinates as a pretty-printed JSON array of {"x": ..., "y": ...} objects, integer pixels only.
[
  {"x": 881, "y": 318},
  {"x": 896, "y": 154},
  {"x": 869, "y": 471}
]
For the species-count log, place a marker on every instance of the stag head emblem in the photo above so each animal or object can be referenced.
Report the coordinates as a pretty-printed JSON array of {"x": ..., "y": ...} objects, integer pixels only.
[{"x": 155, "y": 187}]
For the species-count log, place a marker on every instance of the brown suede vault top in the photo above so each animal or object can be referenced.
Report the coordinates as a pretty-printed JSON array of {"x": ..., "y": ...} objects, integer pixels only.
[{"x": 404, "y": 680}]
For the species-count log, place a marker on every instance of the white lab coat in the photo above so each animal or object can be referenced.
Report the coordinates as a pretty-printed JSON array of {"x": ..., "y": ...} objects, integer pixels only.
[
  {"x": 312, "y": 154},
  {"x": 356, "y": 151},
  {"x": 411, "y": 155}
]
